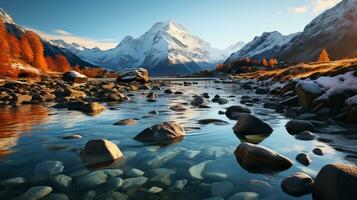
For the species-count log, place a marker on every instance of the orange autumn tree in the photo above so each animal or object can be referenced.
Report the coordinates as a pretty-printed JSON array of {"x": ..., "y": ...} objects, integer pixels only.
[
  {"x": 264, "y": 62},
  {"x": 58, "y": 63},
  {"x": 324, "y": 57},
  {"x": 5, "y": 66},
  {"x": 15, "y": 50},
  {"x": 39, "y": 60},
  {"x": 27, "y": 53}
]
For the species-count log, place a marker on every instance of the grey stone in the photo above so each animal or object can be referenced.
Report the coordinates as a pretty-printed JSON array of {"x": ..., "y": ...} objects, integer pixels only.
[
  {"x": 36, "y": 192},
  {"x": 49, "y": 168},
  {"x": 221, "y": 189}
]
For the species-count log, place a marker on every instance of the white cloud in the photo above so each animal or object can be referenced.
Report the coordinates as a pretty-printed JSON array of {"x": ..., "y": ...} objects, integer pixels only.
[
  {"x": 68, "y": 37},
  {"x": 299, "y": 9},
  {"x": 61, "y": 32},
  {"x": 313, "y": 6}
]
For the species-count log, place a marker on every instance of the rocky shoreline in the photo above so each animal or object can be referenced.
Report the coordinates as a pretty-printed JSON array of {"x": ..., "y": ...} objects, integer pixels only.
[{"x": 310, "y": 120}]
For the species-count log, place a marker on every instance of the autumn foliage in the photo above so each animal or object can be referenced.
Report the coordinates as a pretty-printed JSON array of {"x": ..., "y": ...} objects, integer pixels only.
[
  {"x": 26, "y": 48},
  {"x": 324, "y": 57}
]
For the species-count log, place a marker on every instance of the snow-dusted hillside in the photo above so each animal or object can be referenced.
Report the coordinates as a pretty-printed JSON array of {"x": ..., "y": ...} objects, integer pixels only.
[
  {"x": 267, "y": 45},
  {"x": 335, "y": 29},
  {"x": 166, "y": 49}
]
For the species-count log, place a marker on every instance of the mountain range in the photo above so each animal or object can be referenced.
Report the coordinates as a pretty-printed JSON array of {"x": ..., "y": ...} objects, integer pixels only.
[
  {"x": 166, "y": 49},
  {"x": 334, "y": 30}
]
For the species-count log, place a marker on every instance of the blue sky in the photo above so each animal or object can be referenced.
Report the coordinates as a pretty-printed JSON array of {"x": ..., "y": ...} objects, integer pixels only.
[{"x": 221, "y": 22}]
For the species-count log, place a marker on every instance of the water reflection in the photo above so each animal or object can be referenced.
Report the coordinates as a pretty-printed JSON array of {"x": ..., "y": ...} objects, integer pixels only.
[{"x": 14, "y": 121}]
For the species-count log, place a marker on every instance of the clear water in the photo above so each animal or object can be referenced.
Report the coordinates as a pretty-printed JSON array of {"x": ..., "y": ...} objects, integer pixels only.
[{"x": 31, "y": 134}]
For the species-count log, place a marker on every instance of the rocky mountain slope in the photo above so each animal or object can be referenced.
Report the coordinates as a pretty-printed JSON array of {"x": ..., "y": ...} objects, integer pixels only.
[{"x": 267, "y": 45}]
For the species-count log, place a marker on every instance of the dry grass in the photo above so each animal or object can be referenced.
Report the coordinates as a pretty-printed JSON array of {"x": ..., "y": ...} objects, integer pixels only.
[{"x": 303, "y": 70}]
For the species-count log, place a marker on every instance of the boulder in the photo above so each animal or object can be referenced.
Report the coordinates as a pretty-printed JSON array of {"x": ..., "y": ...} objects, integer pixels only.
[
  {"x": 305, "y": 135},
  {"x": 336, "y": 181},
  {"x": 308, "y": 91},
  {"x": 303, "y": 158},
  {"x": 163, "y": 132},
  {"x": 298, "y": 184},
  {"x": 36, "y": 192},
  {"x": 74, "y": 77},
  {"x": 232, "y": 111},
  {"x": 152, "y": 95},
  {"x": 100, "y": 150},
  {"x": 125, "y": 122},
  {"x": 258, "y": 159},
  {"x": 92, "y": 107},
  {"x": 48, "y": 168},
  {"x": 198, "y": 101},
  {"x": 298, "y": 126},
  {"x": 139, "y": 75},
  {"x": 251, "y": 125}
]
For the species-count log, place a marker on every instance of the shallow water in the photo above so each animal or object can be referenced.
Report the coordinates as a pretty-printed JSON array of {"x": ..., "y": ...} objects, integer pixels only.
[{"x": 31, "y": 134}]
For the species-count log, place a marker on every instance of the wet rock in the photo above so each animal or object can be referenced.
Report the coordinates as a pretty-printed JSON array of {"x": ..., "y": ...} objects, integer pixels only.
[
  {"x": 162, "y": 180},
  {"x": 36, "y": 193},
  {"x": 257, "y": 159},
  {"x": 13, "y": 183},
  {"x": 298, "y": 184},
  {"x": 244, "y": 196},
  {"x": 179, "y": 185},
  {"x": 318, "y": 151},
  {"x": 125, "y": 122},
  {"x": 22, "y": 99},
  {"x": 178, "y": 92},
  {"x": 133, "y": 182},
  {"x": 152, "y": 95},
  {"x": 308, "y": 91},
  {"x": 140, "y": 75},
  {"x": 155, "y": 190},
  {"x": 92, "y": 107},
  {"x": 336, "y": 181},
  {"x": 74, "y": 77},
  {"x": 196, "y": 170},
  {"x": 108, "y": 187},
  {"x": 298, "y": 126},
  {"x": 91, "y": 180},
  {"x": 251, "y": 125},
  {"x": 132, "y": 173},
  {"x": 262, "y": 91},
  {"x": 303, "y": 158},
  {"x": 232, "y": 111},
  {"x": 97, "y": 151},
  {"x": 154, "y": 112},
  {"x": 198, "y": 101},
  {"x": 168, "y": 91},
  {"x": 292, "y": 101},
  {"x": 177, "y": 108},
  {"x": 191, "y": 153},
  {"x": 263, "y": 188},
  {"x": 56, "y": 196},
  {"x": 48, "y": 168},
  {"x": 305, "y": 135},
  {"x": 212, "y": 121},
  {"x": 61, "y": 182},
  {"x": 158, "y": 171},
  {"x": 73, "y": 136},
  {"x": 221, "y": 189},
  {"x": 165, "y": 131},
  {"x": 70, "y": 93}
]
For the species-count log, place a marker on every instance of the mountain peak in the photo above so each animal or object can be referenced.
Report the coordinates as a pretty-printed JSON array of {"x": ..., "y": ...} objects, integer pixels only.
[{"x": 6, "y": 17}]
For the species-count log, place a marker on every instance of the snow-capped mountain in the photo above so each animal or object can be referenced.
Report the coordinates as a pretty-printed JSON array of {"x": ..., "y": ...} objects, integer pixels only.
[
  {"x": 166, "y": 49},
  {"x": 335, "y": 29},
  {"x": 74, "y": 47},
  {"x": 267, "y": 45},
  {"x": 233, "y": 48}
]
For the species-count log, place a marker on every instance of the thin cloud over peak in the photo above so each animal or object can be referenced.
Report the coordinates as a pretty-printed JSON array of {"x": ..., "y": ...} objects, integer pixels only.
[
  {"x": 61, "y": 32},
  {"x": 313, "y": 6},
  {"x": 68, "y": 37}
]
